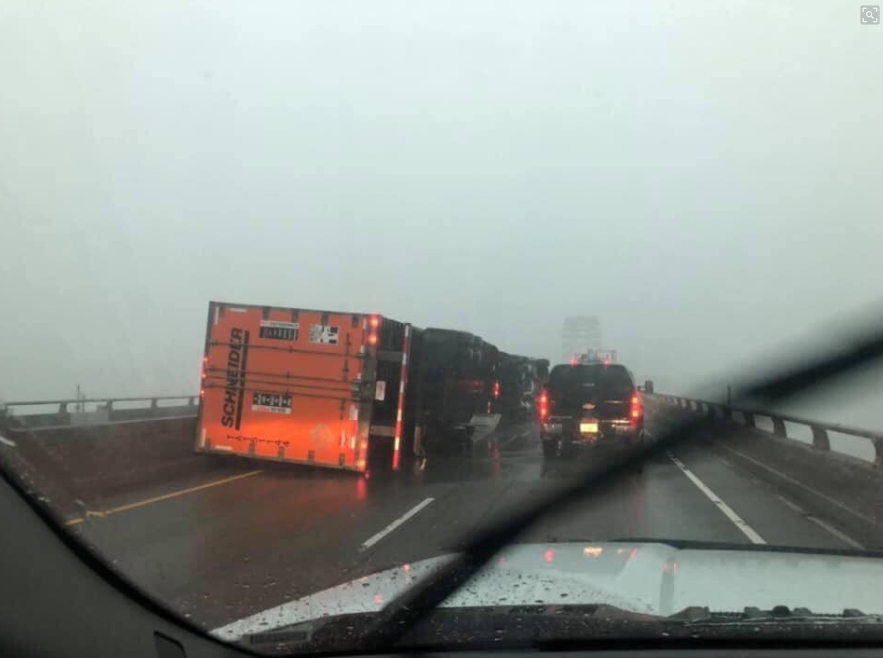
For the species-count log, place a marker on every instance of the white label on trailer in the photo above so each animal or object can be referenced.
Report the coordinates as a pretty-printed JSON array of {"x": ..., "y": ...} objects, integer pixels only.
[
  {"x": 271, "y": 403},
  {"x": 279, "y": 330},
  {"x": 324, "y": 334},
  {"x": 380, "y": 391},
  {"x": 354, "y": 412}
]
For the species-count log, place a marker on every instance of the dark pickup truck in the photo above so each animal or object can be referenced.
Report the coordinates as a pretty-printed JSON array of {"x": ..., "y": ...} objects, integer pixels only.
[{"x": 586, "y": 405}]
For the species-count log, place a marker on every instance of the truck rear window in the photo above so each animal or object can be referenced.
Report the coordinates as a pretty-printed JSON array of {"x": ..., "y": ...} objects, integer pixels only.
[{"x": 612, "y": 377}]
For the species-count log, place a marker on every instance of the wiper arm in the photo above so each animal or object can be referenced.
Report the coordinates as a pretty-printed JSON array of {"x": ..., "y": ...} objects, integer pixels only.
[{"x": 412, "y": 605}]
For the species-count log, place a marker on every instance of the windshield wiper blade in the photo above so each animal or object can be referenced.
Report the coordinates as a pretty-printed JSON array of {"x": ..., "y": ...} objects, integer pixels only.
[{"x": 412, "y": 605}]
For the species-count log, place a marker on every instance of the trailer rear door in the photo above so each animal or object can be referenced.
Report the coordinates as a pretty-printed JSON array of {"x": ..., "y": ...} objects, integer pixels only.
[{"x": 292, "y": 384}]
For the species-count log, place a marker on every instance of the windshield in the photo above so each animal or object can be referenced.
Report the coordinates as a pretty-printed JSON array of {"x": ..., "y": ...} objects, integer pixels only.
[{"x": 301, "y": 299}]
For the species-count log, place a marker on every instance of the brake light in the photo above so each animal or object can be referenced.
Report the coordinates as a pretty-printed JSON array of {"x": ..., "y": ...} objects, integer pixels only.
[
  {"x": 374, "y": 323},
  {"x": 496, "y": 390},
  {"x": 544, "y": 405},
  {"x": 635, "y": 410}
]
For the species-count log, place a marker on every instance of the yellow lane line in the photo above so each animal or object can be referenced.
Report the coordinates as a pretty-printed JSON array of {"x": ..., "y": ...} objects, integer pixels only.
[{"x": 158, "y": 499}]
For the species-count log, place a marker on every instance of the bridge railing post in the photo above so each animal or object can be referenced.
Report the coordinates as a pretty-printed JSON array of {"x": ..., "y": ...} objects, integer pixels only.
[
  {"x": 64, "y": 413},
  {"x": 820, "y": 440},
  {"x": 779, "y": 427},
  {"x": 878, "y": 454}
]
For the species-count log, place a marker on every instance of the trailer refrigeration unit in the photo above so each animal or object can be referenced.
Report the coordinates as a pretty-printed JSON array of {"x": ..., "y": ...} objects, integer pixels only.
[{"x": 305, "y": 386}]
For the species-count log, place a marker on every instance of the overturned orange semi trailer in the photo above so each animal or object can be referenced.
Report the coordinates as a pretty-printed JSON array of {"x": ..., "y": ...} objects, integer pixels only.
[{"x": 311, "y": 387}]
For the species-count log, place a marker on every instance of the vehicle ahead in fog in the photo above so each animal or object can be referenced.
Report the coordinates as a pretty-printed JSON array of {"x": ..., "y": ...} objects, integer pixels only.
[{"x": 586, "y": 405}]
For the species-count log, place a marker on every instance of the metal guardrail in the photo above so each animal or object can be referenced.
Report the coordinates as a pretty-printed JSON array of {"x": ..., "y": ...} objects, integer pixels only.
[
  {"x": 48, "y": 414},
  {"x": 107, "y": 403},
  {"x": 820, "y": 439}
]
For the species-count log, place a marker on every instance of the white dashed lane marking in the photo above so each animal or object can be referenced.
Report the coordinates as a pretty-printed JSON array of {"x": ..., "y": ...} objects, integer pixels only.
[
  {"x": 727, "y": 511},
  {"x": 395, "y": 524}
]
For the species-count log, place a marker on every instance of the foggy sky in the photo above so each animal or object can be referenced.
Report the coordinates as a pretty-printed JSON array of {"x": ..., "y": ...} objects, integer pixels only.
[{"x": 705, "y": 178}]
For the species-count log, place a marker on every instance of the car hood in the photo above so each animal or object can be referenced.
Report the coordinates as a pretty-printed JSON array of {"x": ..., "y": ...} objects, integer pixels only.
[{"x": 643, "y": 577}]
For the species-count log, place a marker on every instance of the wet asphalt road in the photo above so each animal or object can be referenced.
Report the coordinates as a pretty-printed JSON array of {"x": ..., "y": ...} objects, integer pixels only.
[{"x": 258, "y": 536}]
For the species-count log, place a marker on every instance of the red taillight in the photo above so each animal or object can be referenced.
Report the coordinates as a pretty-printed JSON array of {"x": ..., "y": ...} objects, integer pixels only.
[
  {"x": 635, "y": 411},
  {"x": 372, "y": 339},
  {"x": 496, "y": 390},
  {"x": 544, "y": 405},
  {"x": 375, "y": 321},
  {"x": 202, "y": 392}
]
